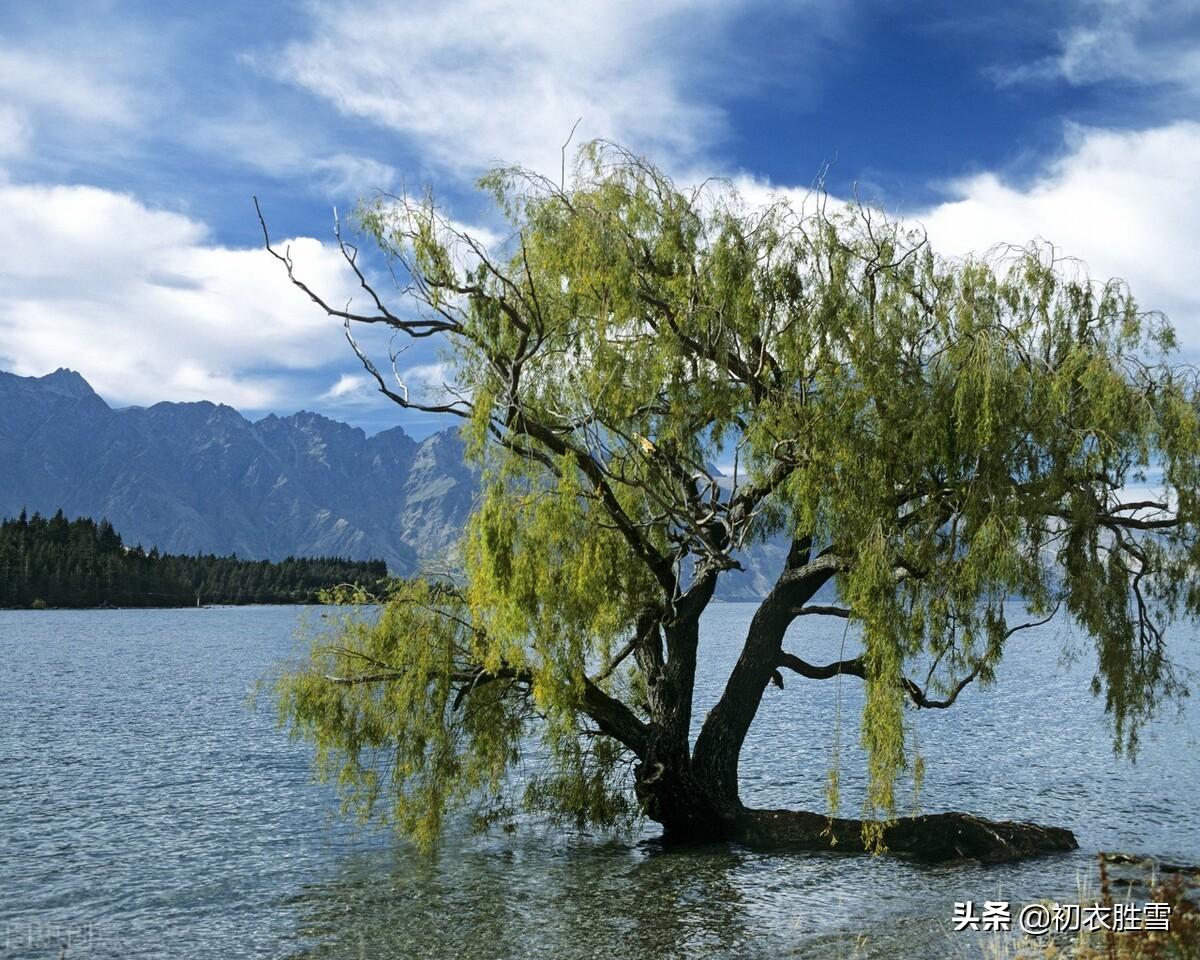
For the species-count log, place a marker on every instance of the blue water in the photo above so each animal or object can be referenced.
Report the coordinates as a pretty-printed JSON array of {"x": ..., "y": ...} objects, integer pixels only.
[{"x": 147, "y": 811}]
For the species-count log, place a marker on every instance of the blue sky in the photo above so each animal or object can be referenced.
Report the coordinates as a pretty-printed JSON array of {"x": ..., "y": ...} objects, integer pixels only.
[{"x": 132, "y": 137}]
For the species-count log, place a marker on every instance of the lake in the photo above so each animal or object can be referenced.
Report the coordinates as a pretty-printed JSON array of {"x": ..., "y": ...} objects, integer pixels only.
[{"x": 147, "y": 811}]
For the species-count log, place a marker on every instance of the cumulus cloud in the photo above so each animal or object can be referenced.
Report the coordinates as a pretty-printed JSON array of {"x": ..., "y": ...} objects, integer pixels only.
[
  {"x": 1126, "y": 203},
  {"x": 490, "y": 81},
  {"x": 149, "y": 308}
]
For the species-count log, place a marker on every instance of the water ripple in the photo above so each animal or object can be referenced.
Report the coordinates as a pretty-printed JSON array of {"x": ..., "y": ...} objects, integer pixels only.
[{"x": 147, "y": 812}]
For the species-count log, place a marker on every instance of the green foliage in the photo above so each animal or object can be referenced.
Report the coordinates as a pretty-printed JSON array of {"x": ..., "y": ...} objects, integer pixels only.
[
  {"x": 942, "y": 435},
  {"x": 409, "y": 726}
]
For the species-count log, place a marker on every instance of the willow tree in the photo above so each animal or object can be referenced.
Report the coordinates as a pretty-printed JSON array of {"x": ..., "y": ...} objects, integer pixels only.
[{"x": 937, "y": 438}]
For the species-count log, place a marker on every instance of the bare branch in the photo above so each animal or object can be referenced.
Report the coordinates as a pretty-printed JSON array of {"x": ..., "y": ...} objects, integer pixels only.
[
  {"x": 917, "y": 694},
  {"x": 814, "y": 609}
]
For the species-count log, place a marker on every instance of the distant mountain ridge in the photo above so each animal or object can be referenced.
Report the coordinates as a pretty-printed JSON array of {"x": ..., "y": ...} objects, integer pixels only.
[
  {"x": 200, "y": 477},
  {"x": 188, "y": 477}
]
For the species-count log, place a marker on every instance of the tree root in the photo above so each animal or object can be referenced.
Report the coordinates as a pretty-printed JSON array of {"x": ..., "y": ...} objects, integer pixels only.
[{"x": 931, "y": 838}]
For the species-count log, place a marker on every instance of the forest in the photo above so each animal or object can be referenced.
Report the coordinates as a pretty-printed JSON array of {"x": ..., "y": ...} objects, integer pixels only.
[{"x": 56, "y": 562}]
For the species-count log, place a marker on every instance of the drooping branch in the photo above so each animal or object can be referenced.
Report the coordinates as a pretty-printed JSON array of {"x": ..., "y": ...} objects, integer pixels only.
[
  {"x": 658, "y": 564},
  {"x": 470, "y": 679},
  {"x": 615, "y": 719},
  {"x": 473, "y": 679},
  {"x": 611, "y": 715},
  {"x": 460, "y": 408},
  {"x": 364, "y": 678},
  {"x": 518, "y": 419}
]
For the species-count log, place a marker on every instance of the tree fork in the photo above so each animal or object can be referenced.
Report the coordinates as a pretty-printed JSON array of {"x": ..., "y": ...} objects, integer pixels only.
[{"x": 719, "y": 744}]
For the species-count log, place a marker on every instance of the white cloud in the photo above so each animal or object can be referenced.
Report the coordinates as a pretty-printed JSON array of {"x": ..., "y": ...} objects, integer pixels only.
[
  {"x": 1134, "y": 41},
  {"x": 1126, "y": 203},
  {"x": 352, "y": 390},
  {"x": 265, "y": 143},
  {"x": 39, "y": 89},
  {"x": 345, "y": 175},
  {"x": 14, "y": 131},
  {"x": 429, "y": 382},
  {"x": 424, "y": 382},
  {"x": 76, "y": 87},
  {"x": 145, "y": 306},
  {"x": 348, "y": 385},
  {"x": 490, "y": 81}
]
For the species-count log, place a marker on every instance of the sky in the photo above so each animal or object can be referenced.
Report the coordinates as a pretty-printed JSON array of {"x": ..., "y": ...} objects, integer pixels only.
[{"x": 133, "y": 137}]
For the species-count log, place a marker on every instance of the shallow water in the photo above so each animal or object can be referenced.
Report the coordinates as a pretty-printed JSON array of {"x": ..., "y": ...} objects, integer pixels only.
[{"x": 146, "y": 811}]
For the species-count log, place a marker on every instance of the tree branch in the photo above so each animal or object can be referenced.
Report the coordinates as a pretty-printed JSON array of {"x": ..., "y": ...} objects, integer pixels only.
[
  {"x": 615, "y": 719},
  {"x": 856, "y": 668},
  {"x": 814, "y": 609}
]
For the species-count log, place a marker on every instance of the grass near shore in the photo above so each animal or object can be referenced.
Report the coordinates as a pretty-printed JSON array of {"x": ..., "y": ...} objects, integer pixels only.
[{"x": 1181, "y": 941}]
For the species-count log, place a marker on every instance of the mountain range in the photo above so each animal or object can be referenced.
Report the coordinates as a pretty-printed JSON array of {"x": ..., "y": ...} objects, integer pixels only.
[{"x": 200, "y": 477}]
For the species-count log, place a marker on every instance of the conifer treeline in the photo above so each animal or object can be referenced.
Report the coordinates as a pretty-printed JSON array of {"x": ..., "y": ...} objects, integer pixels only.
[{"x": 58, "y": 562}]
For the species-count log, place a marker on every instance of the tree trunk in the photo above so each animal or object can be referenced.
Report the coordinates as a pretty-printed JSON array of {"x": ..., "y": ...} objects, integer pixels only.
[
  {"x": 688, "y": 812},
  {"x": 719, "y": 744},
  {"x": 695, "y": 797}
]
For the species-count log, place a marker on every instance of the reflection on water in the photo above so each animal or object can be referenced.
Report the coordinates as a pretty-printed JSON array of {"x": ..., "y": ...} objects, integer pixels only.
[
  {"x": 582, "y": 900},
  {"x": 145, "y": 812},
  {"x": 518, "y": 900}
]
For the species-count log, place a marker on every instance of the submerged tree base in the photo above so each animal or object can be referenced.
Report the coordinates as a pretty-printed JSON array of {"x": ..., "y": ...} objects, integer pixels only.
[{"x": 931, "y": 838}]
